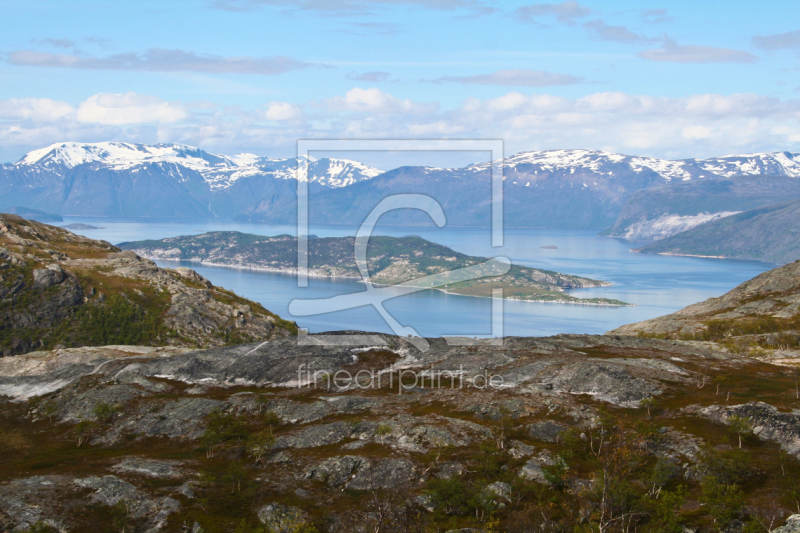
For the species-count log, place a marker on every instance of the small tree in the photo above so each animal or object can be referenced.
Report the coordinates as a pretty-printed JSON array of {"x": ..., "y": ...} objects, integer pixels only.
[
  {"x": 83, "y": 431},
  {"x": 104, "y": 412},
  {"x": 261, "y": 443},
  {"x": 648, "y": 403},
  {"x": 740, "y": 426},
  {"x": 383, "y": 430},
  {"x": 221, "y": 427},
  {"x": 722, "y": 500},
  {"x": 719, "y": 380}
]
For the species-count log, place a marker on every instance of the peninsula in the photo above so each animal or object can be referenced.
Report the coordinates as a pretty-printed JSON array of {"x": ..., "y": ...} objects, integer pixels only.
[{"x": 391, "y": 261}]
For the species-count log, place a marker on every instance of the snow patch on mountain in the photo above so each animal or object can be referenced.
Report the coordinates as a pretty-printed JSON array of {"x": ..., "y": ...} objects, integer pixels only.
[
  {"x": 668, "y": 225},
  {"x": 607, "y": 163},
  {"x": 219, "y": 171}
]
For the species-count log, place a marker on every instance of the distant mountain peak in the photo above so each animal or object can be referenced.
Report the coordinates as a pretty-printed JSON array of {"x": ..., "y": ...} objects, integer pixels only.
[
  {"x": 609, "y": 163},
  {"x": 219, "y": 171}
]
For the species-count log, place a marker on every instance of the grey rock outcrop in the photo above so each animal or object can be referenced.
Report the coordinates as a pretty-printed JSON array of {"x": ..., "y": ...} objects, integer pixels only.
[
  {"x": 383, "y": 474},
  {"x": 547, "y": 430},
  {"x": 335, "y": 471},
  {"x": 767, "y": 422},
  {"x": 792, "y": 525}
]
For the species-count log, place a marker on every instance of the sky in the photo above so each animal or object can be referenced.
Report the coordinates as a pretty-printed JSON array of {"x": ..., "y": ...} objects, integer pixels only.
[{"x": 656, "y": 78}]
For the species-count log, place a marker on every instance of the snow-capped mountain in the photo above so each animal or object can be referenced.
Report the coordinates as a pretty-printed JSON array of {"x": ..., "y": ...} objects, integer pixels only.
[
  {"x": 552, "y": 188},
  {"x": 219, "y": 171},
  {"x": 610, "y": 164}
]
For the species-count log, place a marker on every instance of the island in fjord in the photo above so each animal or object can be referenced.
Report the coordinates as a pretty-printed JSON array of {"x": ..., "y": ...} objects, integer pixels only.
[{"x": 391, "y": 261}]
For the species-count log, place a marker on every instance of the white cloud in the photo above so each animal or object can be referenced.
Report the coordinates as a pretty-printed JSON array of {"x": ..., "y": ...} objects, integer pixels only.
[
  {"x": 692, "y": 126},
  {"x": 374, "y": 100},
  {"x": 282, "y": 111},
  {"x": 35, "y": 109},
  {"x": 129, "y": 108}
]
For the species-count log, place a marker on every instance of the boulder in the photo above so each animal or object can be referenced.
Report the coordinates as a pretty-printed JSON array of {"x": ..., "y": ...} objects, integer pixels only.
[{"x": 792, "y": 525}]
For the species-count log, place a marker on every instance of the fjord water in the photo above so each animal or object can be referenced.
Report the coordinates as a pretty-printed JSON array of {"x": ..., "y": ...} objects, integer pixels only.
[{"x": 657, "y": 284}]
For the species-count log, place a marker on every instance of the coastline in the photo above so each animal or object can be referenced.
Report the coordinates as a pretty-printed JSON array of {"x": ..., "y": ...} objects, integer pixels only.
[{"x": 317, "y": 274}]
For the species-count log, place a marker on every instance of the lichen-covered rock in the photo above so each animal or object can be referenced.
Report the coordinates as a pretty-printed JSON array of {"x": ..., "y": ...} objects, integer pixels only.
[
  {"x": 792, "y": 525},
  {"x": 450, "y": 469},
  {"x": 532, "y": 469},
  {"x": 546, "y": 431},
  {"x": 605, "y": 381},
  {"x": 766, "y": 421},
  {"x": 155, "y": 468},
  {"x": 335, "y": 471},
  {"x": 383, "y": 474},
  {"x": 500, "y": 489},
  {"x": 282, "y": 518}
]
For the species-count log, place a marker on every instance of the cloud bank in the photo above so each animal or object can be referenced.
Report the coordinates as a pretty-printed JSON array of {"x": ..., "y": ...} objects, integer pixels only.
[{"x": 693, "y": 126}]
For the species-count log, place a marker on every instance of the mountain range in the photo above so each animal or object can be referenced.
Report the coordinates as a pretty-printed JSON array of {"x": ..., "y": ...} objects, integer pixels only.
[{"x": 550, "y": 189}]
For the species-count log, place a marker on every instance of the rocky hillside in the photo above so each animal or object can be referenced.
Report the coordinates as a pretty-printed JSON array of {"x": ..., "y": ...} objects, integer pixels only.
[
  {"x": 760, "y": 314},
  {"x": 391, "y": 260},
  {"x": 660, "y": 212},
  {"x": 58, "y": 289},
  {"x": 575, "y": 433},
  {"x": 770, "y": 233}
]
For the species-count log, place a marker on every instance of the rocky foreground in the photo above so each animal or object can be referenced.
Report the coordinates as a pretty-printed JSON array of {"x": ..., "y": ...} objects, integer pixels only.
[
  {"x": 690, "y": 422},
  {"x": 574, "y": 432}
]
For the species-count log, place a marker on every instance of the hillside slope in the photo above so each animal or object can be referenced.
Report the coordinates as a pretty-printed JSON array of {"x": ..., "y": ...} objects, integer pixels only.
[
  {"x": 391, "y": 261},
  {"x": 770, "y": 233},
  {"x": 659, "y": 212},
  {"x": 763, "y": 312},
  {"x": 60, "y": 289}
]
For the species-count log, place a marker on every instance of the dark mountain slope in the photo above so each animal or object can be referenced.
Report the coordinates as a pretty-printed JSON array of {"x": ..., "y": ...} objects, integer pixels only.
[
  {"x": 770, "y": 233},
  {"x": 658, "y": 212}
]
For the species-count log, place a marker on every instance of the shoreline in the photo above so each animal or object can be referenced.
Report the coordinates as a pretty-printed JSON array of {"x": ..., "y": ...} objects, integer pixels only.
[{"x": 316, "y": 274}]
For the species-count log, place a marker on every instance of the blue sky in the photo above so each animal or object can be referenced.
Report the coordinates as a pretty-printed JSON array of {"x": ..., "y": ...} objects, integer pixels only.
[{"x": 666, "y": 79}]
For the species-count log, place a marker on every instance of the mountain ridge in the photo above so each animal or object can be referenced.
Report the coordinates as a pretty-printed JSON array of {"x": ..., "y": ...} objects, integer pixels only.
[
  {"x": 569, "y": 189},
  {"x": 768, "y": 233}
]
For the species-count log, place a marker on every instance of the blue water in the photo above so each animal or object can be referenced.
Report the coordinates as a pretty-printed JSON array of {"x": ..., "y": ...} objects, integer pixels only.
[{"x": 657, "y": 284}]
